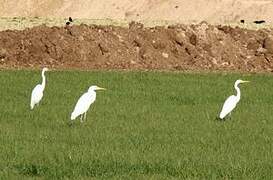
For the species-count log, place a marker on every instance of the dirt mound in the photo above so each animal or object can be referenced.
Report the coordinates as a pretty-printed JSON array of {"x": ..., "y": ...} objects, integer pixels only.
[
  {"x": 180, "y": 47},
  {"x": 212, "y": 11}
]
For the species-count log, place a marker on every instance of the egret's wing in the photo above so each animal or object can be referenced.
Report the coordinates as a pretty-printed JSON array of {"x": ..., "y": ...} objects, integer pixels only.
[
  {"x": 83, "y": 104},
  {"x": 228, "y": 106},
  {"x": 37, "y": 94}
]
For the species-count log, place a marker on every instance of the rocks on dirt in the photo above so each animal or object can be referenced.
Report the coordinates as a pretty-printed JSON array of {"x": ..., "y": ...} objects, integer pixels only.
[
  {"x": 253, "y": 44},
  {"x": 179, "y": 38},
  {"x": 268, "y": 44},
  {"x": 165, "y": 55},
  {"x": 176, "y": 47},
  {"x": 3, "y": 53},
  {"x": 193, "y": 39},
  {"x": 135, "y": 25}
]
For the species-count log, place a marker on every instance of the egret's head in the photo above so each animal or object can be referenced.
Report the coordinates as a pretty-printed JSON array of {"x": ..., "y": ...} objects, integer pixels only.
[
  {"x": 94, "y": 88},
  {"x": 239, "y": 81},
  {"x": 45, "y": 69}
]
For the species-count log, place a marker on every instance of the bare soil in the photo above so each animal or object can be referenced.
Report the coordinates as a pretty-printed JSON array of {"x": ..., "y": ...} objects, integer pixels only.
[{"x": 177, "y": 47}]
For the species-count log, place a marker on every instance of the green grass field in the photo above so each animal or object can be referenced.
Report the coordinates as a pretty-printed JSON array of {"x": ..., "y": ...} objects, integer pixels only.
[{"x": 147, "y": 125}]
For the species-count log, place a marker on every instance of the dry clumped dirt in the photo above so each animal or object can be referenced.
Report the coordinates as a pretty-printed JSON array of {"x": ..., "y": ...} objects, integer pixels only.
[{"x": 177, "y": 47}]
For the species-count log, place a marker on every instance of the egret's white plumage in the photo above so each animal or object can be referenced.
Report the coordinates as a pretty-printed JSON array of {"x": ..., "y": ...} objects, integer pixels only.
[
  {"x": 85, "y": 102},
  {"x": 37, "y": 92},
  {"x": 231, "y": 101}
]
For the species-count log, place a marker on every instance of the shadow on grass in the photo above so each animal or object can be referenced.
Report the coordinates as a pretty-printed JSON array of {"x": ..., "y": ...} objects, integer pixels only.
[
  {"x": 98, "y": 168},
  {"x": 32, "y": 169}
]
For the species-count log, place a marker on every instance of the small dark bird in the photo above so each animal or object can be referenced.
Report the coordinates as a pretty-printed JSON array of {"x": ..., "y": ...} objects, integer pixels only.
[
  {"x": 242, "y": 21},
  {"x": 70, "y": 20},
  {"x": 259, "y": 22}
]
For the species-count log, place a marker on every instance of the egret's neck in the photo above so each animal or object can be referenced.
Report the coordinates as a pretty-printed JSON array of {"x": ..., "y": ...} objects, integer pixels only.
[
  {"x": 238, "y": 95},
  {"x": 44, "y": 80}
]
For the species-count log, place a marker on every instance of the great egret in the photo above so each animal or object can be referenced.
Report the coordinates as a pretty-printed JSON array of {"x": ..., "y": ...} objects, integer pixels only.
[
  {"x": 37, "y": 92},
  {"x": 84, "y": 102},
  {"x": 232, "y": 101}
]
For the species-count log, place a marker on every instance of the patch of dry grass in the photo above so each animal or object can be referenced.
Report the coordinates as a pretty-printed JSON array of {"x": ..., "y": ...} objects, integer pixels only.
[{"x": 20, "y": 23}]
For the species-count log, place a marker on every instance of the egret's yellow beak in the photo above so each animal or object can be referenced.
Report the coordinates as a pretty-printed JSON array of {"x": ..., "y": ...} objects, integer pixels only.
[
  {"x": 100, "y": 88},
  {"x": 245, "y": 81}
]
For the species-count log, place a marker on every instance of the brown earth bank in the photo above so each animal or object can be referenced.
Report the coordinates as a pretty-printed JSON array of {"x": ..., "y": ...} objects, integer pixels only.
[{"x": 178, "y": 47}]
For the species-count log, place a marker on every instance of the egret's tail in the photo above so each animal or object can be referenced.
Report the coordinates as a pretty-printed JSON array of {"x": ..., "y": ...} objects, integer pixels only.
[
  {"x": 73, "y": 116},
  {"x": 31, "y": 105},
  {"x": 222, "y": 115}
]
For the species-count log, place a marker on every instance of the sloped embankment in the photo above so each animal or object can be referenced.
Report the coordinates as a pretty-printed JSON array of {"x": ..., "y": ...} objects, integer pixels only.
[{"x": 179, "y": 47}]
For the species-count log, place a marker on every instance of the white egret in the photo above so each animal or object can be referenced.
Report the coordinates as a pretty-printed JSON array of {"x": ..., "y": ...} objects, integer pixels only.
[
  {"x": 85, "y": 102},
  {"x": 231, "y": 101},
  {"x": 37, "y": 92}
]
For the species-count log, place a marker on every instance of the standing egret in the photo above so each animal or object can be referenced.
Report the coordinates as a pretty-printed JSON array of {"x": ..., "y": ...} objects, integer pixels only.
[
  {"x": 232, "y": 100},
  {"x": 37, "y": 92},
  {"x": 84, "y": 102}
]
